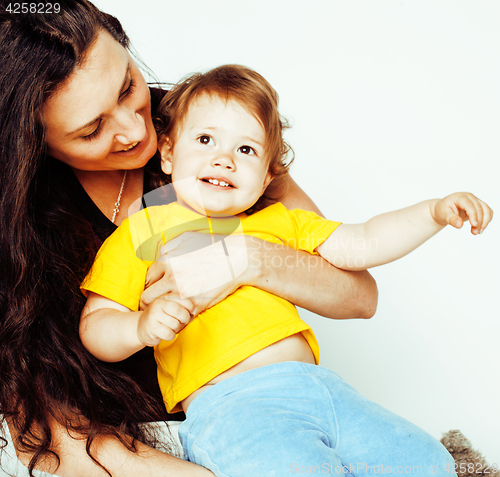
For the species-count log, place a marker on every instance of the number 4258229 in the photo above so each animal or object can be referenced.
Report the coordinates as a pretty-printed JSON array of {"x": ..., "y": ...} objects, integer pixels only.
[{"x": 33, "y": 8}]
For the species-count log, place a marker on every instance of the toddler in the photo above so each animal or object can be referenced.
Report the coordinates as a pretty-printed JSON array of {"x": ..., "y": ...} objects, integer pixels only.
[{"x": 246, "y": 370}]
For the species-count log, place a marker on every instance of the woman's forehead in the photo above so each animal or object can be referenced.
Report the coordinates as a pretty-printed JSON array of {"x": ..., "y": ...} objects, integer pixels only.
[{"x": 92, "y": 89}]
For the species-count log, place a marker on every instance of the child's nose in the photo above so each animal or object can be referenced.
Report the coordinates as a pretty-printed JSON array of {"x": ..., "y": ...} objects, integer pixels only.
[{"x": 224, "y": 160}]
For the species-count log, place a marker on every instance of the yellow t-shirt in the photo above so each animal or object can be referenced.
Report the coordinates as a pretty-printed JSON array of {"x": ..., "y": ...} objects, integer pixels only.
[{"x": 224, "y": 335}]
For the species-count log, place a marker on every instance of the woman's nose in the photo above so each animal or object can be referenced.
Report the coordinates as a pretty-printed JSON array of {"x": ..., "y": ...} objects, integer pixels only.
[
  {"x": 131, "y": 127},
  {"x": 224, "y": 160}
]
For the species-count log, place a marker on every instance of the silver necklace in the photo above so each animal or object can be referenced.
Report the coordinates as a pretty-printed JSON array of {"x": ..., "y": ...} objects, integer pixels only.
[{"x": 117, "y": 203}]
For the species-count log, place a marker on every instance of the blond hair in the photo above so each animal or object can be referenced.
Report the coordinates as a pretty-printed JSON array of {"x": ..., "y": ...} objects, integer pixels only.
[{"x": 254, "y": 93}]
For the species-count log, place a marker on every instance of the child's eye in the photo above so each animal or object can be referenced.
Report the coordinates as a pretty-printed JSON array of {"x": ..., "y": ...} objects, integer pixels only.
[
  {"x": 247, "y": 150},
  {"x": 206, "y": 140}
]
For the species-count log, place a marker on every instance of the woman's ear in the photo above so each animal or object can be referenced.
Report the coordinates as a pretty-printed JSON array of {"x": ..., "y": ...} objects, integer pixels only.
[{"x": 166, "y": 151}]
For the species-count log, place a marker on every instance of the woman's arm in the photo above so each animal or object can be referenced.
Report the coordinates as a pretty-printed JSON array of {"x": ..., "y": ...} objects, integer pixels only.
[
  {"x": 112, "y": 454},
  {"x": 308, "y": 280},
  {"x": 303, "y": 279},
  {"x": 296, "y": 198}
]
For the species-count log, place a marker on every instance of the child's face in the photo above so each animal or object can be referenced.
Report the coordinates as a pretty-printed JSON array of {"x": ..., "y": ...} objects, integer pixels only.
[{"x": 221, "y": 146}]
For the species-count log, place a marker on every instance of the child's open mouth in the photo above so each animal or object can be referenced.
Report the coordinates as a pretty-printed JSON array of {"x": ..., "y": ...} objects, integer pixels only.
[{"x": 218, "y": 182}]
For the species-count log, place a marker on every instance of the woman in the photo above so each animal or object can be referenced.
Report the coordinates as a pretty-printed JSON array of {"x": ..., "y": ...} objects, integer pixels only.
[{"x": 77, "y": 148}]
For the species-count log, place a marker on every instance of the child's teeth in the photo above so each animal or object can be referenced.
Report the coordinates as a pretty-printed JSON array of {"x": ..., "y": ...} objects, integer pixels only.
[{"x": 216, "y": 182}]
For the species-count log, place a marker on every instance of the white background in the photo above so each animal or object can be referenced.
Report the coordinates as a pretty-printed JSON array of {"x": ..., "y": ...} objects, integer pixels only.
[{"x": 391, "y": 102}]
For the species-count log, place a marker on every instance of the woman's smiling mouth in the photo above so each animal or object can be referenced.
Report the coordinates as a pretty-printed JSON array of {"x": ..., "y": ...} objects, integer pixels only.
[{"x": 130, "y": 147}]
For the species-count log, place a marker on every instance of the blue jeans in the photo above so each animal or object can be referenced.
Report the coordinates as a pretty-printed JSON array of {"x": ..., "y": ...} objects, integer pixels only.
[{"x": 296, "y": 418}]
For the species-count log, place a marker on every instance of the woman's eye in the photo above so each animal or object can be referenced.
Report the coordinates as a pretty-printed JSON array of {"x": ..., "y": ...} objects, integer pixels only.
[
  {"x": 129, "y": 90},
  {"x": 206, "y": 140},
  {"x": 247, "y": 150},
  {"x": 93, "y": 134}
]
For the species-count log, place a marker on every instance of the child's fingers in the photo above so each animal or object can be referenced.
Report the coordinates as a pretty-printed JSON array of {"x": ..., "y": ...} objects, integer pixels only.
[
  {"x": 479, "y": 210},
  {"x": 449, "y": 211},
  {"x": 472, "y": 208},
  {"x": 455, "y": 221},
  {"x": 474, "y": 213},
  {"x": 456, "y": 208},
  {"x": 166, "y": 326},
  {"x": 467, "y": 207},
  {"x": 171, "y": 326},
  {"x": 185, "y": 303},
  {"x": 162, "y": 321},
  {"x": 175, "y": 310},
  {"x": 487, "y": 215}
]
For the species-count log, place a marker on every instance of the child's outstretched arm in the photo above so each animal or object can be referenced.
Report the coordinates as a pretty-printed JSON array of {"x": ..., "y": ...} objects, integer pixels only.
[
  {"x": 112, "y": 332},
  {"x": 390, "y": 236}
]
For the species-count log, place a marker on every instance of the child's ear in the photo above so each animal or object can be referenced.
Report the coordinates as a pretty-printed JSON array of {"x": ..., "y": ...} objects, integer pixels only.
[
  {"x": 267, "y": 180},
  {"x": 166, "y": 152}
]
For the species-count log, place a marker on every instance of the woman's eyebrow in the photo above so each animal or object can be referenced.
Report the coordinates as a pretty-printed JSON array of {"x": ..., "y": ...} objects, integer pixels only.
[{"x": 122, "y": 87}]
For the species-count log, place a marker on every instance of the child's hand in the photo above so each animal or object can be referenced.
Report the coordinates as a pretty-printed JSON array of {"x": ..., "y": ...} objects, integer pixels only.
[
  {"x": 456, "y": 208},
  {"x": 163, "y": 320}
]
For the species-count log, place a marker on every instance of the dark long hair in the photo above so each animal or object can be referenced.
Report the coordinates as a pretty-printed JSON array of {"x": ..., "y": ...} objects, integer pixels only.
[{"x": 46, "y": 248}]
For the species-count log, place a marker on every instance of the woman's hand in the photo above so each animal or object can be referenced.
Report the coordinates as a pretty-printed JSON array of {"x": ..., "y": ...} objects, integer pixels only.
[
  {"x": 306, "y": 280},
  {"x": 206, "y": 273},
  {"x": 459, "y": 207}
]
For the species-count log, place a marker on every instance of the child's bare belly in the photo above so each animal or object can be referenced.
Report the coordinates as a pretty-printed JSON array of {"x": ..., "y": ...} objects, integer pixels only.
[{"x": 292, "y": 348}]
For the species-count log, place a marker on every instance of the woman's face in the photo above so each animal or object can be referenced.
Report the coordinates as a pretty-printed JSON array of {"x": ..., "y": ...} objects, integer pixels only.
[{"x": 100, "y": 118}]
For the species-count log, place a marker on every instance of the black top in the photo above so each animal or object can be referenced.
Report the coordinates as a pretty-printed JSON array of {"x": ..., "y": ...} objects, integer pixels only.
[{"x": 141, "y": 366}]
